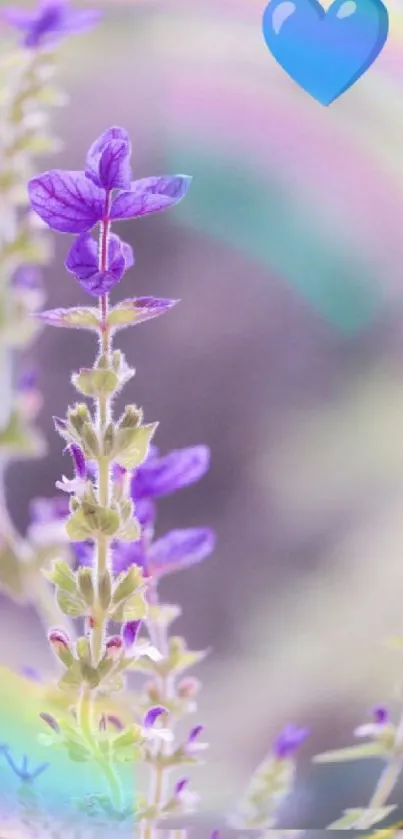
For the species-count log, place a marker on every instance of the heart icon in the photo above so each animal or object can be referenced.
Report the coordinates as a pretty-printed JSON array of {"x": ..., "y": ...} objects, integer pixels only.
[{"x": 325, "y": 52}]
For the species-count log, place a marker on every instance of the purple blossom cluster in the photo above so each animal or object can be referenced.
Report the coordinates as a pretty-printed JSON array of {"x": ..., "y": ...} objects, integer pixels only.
[
  {"x": 77, "y": 201},
  {"x": 49, "y": 22}
]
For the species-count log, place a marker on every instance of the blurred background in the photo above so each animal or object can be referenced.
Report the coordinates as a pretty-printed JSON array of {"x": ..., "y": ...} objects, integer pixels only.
[{"x": 285, "y": 356}]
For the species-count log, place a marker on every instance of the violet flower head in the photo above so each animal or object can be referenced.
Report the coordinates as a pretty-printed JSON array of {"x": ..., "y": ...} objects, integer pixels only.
[
  {"x": 77, "y": 201},
  {"x": 289, "y": 741},
  {"x": 50, "y": 22}
]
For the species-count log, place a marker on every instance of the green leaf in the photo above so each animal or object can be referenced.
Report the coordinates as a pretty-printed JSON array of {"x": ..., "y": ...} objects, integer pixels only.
[
  {"x": 132, "y": 444},
  {"x": 77, "y": 528},
  {"x": 11, "y": 572},
  {"x": 95, "y": 382},
  {"x": 135, "y": 608},
  {"x": 127, "y": 583},
  {"x": 363, "y": 750},
  {"x": 133, "y": 736},
  {"x": 70, "y": 604},
  {"x": 61, "y": 575},
  {"x": 80, "y": 317},
  {"x": 72, "y": 678}
]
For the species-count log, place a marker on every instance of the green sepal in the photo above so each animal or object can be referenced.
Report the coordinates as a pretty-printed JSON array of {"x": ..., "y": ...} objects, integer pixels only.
[
  {"x": 72, "y": 678},
  {"x": 61, "y": 575},
  {"x": 96, "y": 382},
  {"x": 363, "y": 750},
  {"x": 135, "y": 608},
  {"x": 180, "y": 658},
  {"x": 92, "y": 520},
  {"x": 130, "y": 532},
  {"x": 70, "y": 604},
  {"x": 132, "y": 736},
  {"x": 91, "y": 675},
  {"x": 83, "y": 649},
  {"x": 127, "y": 583},
  {"x": 132, "y": 444},
  {"x": 85, "y": 585}
]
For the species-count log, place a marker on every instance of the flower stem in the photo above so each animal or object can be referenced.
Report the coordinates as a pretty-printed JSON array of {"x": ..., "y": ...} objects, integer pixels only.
[{"x": 158, "y": 780}]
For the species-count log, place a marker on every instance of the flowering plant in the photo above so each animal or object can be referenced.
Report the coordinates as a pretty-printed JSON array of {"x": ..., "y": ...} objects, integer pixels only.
[{"x": 27, "y": 95}]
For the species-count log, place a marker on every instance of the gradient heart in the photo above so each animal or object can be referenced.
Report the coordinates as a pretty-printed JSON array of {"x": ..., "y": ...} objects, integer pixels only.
[{"x": 325, "y": 52}]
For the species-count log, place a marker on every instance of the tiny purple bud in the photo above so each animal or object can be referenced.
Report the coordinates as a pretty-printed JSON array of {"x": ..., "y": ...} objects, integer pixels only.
[
  {"x": 195, "y": 732},
  {"x": 188, "y": 688},
  {"x": 153, "y": 714},
  {"x": 114, "y": 647},
  {"x": 288, "y": 741},
  {"x": 60, "y": 424},
  {"x": 115, "y": 721},
  {"x": 50, "y": 721},
  {"x": 59, "y": 640},
  {"x": 129, "y": 633},
  {"x": 381, "y": 715},
  {"x": 180, "y": 786}
]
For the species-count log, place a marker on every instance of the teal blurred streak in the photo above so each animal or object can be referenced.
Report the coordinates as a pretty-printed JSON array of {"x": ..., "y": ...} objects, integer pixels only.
[{"x": 229, "y": 203}]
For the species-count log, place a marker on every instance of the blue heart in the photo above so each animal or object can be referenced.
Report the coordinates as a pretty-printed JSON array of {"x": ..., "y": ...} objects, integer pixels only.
[{"x": 325, "y": 52}]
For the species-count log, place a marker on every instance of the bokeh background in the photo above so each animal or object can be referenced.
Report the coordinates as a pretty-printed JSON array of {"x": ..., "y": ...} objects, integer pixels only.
[{"x": 285, "y": 357}]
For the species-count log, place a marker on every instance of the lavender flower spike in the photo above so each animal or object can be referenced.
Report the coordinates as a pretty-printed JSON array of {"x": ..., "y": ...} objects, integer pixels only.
[
  {"x": 289, "y": 740},
  {"x": 50, "y": 22}
]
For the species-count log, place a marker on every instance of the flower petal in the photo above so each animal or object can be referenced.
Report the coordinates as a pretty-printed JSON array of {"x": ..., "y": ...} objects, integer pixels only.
[
  {"x": 66, "y": 201},
  {"x": 163, "y": 475},
  {"x": 180, "y": 549},
  {"x": 108, "y": 160},
  {"x": 83, "y": 261},
  {"x": 150, "y": 195}
]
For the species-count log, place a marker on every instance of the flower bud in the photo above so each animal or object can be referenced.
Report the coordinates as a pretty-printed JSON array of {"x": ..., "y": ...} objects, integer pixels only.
[
  {"x": 61, "y": 645},
  {"x": 131, "y": 418},
  {"x": 114, "y": 647},
  {"x": 85, "y": 585},
  {"x": 188, "y": 688}
]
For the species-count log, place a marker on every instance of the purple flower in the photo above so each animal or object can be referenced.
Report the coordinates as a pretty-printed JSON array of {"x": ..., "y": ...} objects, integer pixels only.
[
  {"x": 80, "y": 465},
  {"x": 75, "y": 202},
  {"x": 28, "y": 380},
  {"x": 50, "y": 22},
  {"x": 130, "y": 632},
  {"x": 179, "y": 549},
  {"x": 288, "y": 741},
  {"x": 381, "y": 715},
  {"x": 83, "y": 261},
  {"x": 108, "y": 160},
  {"x": 153, "y": 714},
  {"x": 175, "y": 551},
  {"x": 30, "y": 673},
  {"x": 179, "y": 468},
  {"x": 28, "y": 278}
]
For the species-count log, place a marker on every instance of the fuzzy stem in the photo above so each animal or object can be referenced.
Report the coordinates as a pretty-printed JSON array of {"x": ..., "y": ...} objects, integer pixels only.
[
  {"x": 98, "y": 630},
  {"x": 159, "y": 774}
]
